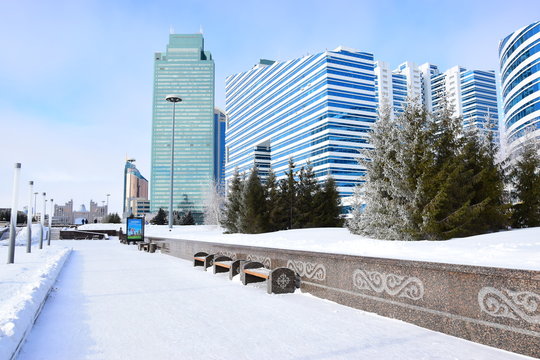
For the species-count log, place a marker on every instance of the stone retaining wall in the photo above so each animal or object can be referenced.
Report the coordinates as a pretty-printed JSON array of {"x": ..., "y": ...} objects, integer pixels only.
[{"x": 492, "y": 306}]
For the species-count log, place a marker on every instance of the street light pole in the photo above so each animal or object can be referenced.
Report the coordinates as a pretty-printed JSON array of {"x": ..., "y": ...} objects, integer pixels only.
[
  {"x": 13, "y": 217},
  {"x": 50, "y": 223},
  {"x": 29, "y": 220},
  {"x": 173, "y": 99},
  {"x": 42, "y": 221},
  {"x": 35, "y": 199}
]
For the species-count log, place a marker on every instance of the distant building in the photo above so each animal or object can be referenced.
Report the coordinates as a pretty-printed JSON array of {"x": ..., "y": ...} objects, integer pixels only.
[
  {"x": 65, "y": 215},
  {"x": 186, "y": 69},
  {"x": 519, "y": 56},
  {"x": 220, "y": 123},
  {"x": 471, "y": 93},
  {"x": 139, "y": 206},
  {"x": 135, "y": 187}
]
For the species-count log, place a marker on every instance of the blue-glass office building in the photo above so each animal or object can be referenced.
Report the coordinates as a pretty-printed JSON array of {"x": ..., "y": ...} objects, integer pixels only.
[
  {"x": 519, "y": 55},
  {"x": 185, "y": 70},
  {"x": 318, "y": 108}
]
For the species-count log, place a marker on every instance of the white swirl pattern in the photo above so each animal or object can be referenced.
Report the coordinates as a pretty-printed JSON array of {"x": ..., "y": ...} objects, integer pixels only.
[
  {"x": 392, "y": 284},
  {"x": 263, "y": 260},
  {"x": 510, "y": 304},
  {"x": 228, "y": 254},
  {"x": 308, "y": 270}
]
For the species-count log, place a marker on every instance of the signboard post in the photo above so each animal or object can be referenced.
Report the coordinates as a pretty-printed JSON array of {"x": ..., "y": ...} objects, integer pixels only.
[{"x": 135, "y": 229}]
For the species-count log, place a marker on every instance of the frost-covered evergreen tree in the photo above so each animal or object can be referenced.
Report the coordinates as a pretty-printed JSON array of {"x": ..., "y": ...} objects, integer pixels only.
[
  {"x": 233, "y": 204},
  {"x": 391, "y": 188},
  {"x": 213, "y": 205},
  {"x": 525, "y": 178}
]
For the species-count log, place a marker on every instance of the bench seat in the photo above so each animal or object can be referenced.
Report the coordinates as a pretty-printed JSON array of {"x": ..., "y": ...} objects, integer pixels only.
[{"x": 278, "y": 281}]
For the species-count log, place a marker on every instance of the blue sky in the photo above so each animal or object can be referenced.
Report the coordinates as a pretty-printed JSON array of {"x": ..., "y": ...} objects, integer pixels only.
[{"x": 76, "y": 76}]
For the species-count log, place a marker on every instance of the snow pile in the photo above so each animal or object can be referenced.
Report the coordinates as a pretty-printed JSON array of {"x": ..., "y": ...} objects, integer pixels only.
[
  {"x": 90, "y": 227},
  {"x": 23, "y": 289},
  {"x": 20, "y": 239},
  {"x": 515, "y": 249}
]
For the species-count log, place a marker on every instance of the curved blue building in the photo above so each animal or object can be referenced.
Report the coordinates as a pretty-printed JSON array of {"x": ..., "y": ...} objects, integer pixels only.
[{"x": 519, "y": 55}]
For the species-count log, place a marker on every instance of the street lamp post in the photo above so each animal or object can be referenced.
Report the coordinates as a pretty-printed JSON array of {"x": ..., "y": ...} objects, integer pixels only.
[
  {"x": 50, "y": 223},
  {"x": 42, "y": 221},
  {"x": 107, "y": 210},
  {"x": 173, "y": 99},
  {"x": 35, "y": 199},
  {"x": 29, "y": 220},
  {"x": 13, "y": 216}
]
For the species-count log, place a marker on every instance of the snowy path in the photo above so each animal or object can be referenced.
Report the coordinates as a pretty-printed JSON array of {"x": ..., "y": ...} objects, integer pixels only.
[{"x": 114, "y": 302}]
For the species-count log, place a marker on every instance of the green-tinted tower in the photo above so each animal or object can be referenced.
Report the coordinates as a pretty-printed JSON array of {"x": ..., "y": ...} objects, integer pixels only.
[{"x": 185, "y": 70}]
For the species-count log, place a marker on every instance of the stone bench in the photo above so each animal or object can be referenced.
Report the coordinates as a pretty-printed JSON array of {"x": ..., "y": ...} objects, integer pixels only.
[
  {"x": 226, "y": 264},
  {"x": 147, "y": 246},
  {"x": 203, "y": 259},
  {"x": 278, "y": 281},
  {"x": 143, "y": 246}
]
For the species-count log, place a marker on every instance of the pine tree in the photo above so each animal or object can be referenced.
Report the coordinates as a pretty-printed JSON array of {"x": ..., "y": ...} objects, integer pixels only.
[
  {"x": 160, "y": 218},
  {"x": 307, "y": 188},
  {"x": 446, "y": 197},
  {"x": 113, "y": 219},
  {"x": 377, "y": 210},
  {"x": 188, "y": 219},
  {"x": 288, "y": 187},
  {"x": 275, "y": 211},
  {"x": 525, "y": 178},
  {"x": 233, "y": 204},
  {"x": 326, "y": 210},
  {"x": 252, "y": 219}
]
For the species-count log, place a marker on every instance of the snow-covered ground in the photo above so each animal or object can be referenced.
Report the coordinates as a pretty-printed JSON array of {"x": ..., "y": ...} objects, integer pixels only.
[
  {"x": 516, "y": 249},
  {"x": 114, "y": 302},
  {"x": 22, "y": 234},
  {"x": 23, "y": 288}
]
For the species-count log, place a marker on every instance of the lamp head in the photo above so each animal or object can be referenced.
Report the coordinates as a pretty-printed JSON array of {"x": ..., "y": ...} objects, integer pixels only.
[{"x": 173, "y": 98}]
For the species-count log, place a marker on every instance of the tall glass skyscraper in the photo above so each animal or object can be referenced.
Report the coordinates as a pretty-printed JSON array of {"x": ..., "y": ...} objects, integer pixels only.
[
  {"x": 318, "y": 108},
  {"x": 185, "y": 70},
  {"x": 519, "y": 55}
]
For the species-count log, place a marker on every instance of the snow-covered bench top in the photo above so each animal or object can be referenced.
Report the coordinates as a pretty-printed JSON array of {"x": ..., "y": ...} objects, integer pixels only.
[
  {"x": 260, "y": 272},
  {"x": 227, "y": 264}
]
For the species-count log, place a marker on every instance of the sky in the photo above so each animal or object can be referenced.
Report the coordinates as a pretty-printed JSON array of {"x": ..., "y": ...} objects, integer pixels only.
[{"x": 76, "y": 77}]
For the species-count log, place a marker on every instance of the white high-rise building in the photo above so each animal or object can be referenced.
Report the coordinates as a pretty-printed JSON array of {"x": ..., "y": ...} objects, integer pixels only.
[
  {"x": 519, "y": 55},
  {"x": 471, "y": 93},
  {"x": 395, "y": 86}
]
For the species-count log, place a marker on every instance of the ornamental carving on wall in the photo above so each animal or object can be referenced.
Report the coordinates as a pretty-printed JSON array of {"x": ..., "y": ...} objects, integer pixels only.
[
  {"x": 391, "y": 284},
  {"x": 262, "y": 259},
  {"x": 308, "y": 270},
  {"x": 228, "y": 254},
  {"x": 506, "y": 303}
]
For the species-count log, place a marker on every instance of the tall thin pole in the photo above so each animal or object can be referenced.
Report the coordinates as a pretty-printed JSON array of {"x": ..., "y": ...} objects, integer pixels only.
[
  {"x": 29, "y": 220},
  {"x": 50, "y": 223},
  {"x": 13, "y": 222},
  {"x": 172, "y": 172},
  {"x": 35, "y": 202},
  {"x": 42, "y": 221}
]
